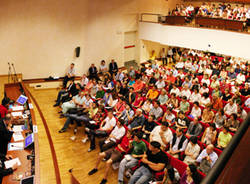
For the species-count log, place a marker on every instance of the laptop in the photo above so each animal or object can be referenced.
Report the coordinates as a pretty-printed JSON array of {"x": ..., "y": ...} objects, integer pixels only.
[
  {"x": 27, "y": 180},
  {"x": 29, "y": 140},
  {"x": 22, "y": 99}
]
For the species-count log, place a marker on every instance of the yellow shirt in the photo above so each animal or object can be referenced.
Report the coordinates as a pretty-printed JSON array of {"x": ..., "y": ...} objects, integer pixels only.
[
  {"x": 152, "y": 94},
  {"x": 224, "y": 139}
]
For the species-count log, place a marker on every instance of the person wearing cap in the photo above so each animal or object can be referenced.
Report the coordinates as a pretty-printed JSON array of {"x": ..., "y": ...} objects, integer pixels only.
[
  {"x": 117, "y": 133},
  {"x": 113, "y": 155},
  {"x": 154, "y": 160},
  {"x": 162, "y": 134},
  {"x": 5, "y": 133},
  {"x": 138, "y": 148}
]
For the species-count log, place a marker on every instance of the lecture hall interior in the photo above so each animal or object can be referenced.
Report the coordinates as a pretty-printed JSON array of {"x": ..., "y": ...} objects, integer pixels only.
[{"x": 124, "y": 91}]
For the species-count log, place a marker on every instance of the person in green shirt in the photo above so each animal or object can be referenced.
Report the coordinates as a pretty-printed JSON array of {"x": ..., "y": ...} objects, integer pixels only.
[
  {"x": 184, "y": 105},
  {"x": 138, "y": 149},
  {"x": 224, "y": 138},
  {"x": 100, "y": 93}
]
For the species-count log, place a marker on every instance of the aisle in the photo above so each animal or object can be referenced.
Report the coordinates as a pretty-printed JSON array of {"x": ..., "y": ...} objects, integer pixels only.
[{"x": 70, "y": 154}]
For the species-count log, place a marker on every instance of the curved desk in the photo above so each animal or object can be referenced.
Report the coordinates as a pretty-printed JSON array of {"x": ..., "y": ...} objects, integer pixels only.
[{"x": 13, "y": 91}]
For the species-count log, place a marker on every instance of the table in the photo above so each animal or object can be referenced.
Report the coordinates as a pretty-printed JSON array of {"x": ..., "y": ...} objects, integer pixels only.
[
  {"x": 219, "y": 23},
  {"x": 13, "y": 91},
  {"x": 175, "y": 20}
]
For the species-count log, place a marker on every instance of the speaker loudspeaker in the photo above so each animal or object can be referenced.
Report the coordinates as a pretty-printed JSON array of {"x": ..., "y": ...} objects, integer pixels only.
[{"x": 77, "y": 50}]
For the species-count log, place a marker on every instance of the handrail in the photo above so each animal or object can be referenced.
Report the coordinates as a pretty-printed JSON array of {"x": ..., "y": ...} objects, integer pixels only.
[
  {"x": 227, "y": 153},
  {"x": 52, "y": 148}
]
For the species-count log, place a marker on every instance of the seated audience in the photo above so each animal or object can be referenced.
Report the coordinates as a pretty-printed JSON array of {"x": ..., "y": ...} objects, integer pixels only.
[
  {"x": 184, "y": 105},
  {"x": 162, "y": 134},
  {"x": 209, "y": 135},
  {"x": 113, "y": 155},
  {"x": 5, "y": 133},
  {"x": 207, "y": 115},
  {"x": 168, "y": 115},
  {"x": 105, "y": 128},
  {"x": 138, "y": 149},
  {"x": 93, "y": 72},
  {"x": 194, "y": 128},
  {"x": 113, "y": 67},
  {"x": 181, "y": 121},
  {"x": 207, "y": 159},
  {"x": 178, "y": 143},
  {"x": 190, "y": 176},
  {"x": 156, "y": 110},
  {"x": 127, "y": 114},
  {"x": 117, "y": 133},
  {"x": 219, "y": 118},
  {"x": 230, "y": 108},
  {"x": 152, "y": 93},
  {"x": 70, "y": 74},
  {"x": 232, "y": 123},
  {"x": 192, "y": 151},
  {"x": 137, "y": 121},
  {"x": 224, "y": 138},
  {"x": 163, "y": 97},
  {"x": 148, "y": 126},
  {"x": 196, "y": 111},
  {"x": 154, "y": 160}
]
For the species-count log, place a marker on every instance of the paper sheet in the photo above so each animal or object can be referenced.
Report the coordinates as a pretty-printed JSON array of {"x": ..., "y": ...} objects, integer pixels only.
[
  {"x": 17, "y": 128},
  {"x": 17, "y": 108},
  {"x": 30, "y": 106},
  {"x": 10, "y": 163},
  {"x": 18, "y": 136},
  {"x": 15, "y": 146},
  {"x": 15, "y": 114}
]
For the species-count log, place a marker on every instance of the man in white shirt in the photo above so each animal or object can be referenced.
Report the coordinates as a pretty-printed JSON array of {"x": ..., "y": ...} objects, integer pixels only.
[
  {"x": 162, "y": 134},
  {"x": 106, "y": 127},
  {"x": 69, "y": 74},
  {"x": 185, "y": 92},
  {"x": 149, "y": 71},
  {"x": 175, "y": 90},
  {"x": 160, "y": 83},
  {"x": 117, "y": 133},
  {"x": 195, "y": 96},
  {"x": 178, "y": 144},
  {"x": 230, "y": 108},
  {"x": 209, "y": 155}
]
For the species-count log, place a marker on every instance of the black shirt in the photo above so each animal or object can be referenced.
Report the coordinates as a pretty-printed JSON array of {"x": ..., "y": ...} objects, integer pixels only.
[
  {"x": 159, "y": 157},
  {"x": 149, "y": 126},
  {"x": 245, "y": 92}
]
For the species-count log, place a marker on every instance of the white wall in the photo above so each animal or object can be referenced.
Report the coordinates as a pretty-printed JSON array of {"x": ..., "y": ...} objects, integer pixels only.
[
  {"x": 39, "y": 36},
  {"x": 223, "y": 42}
]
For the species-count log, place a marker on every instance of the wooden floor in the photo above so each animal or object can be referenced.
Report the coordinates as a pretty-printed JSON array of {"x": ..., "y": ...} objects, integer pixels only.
[{"x": 70, "y": 154}]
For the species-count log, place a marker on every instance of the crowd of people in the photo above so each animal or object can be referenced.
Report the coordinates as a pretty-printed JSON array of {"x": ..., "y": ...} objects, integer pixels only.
[
  {"x": 215, "y": 11},
  {"x": 186, "y": 109}
]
